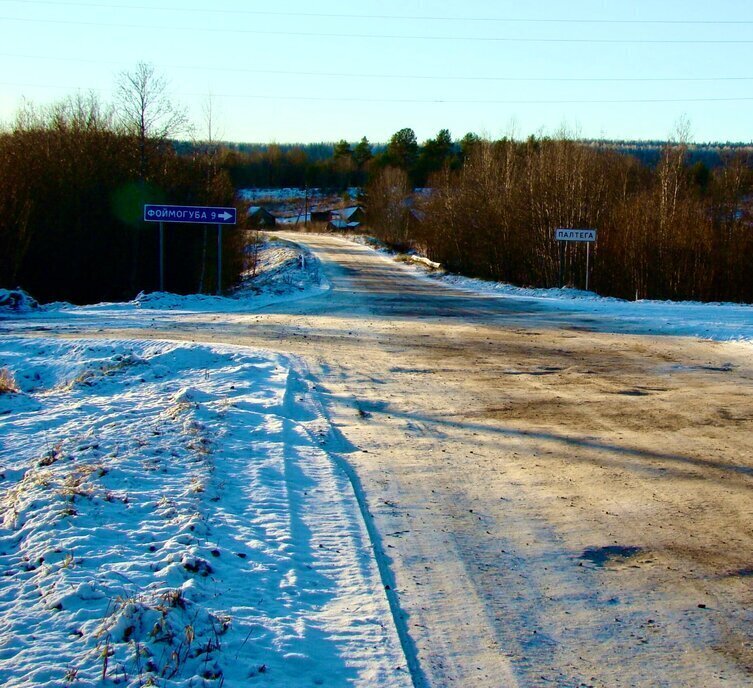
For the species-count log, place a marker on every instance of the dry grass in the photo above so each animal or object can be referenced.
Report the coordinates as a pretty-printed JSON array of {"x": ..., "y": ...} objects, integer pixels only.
[{"x": 7, "y": 382}]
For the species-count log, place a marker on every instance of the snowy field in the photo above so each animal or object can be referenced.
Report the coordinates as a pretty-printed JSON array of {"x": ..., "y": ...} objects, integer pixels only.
[
  {"x": 290, "y": 194},
  {"x": 288, "y": 205},
  {"x": 170, "y": 518}
]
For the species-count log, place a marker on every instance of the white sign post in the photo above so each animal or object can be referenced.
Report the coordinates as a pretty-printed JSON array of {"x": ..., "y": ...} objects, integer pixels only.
[{"x": 588, "y": 236}]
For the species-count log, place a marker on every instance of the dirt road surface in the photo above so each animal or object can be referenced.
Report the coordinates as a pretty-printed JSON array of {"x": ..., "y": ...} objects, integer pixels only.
[{"x": 554, "y": 503}]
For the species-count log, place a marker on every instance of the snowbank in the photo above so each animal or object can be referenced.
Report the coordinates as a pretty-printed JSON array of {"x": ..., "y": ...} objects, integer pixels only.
[
  {"x": 283, "y": 269},
  {"x": 16, "y": 300},
  {"x": 285, "y": 272},
  {"x": 715, "y": 321},
  {"x": 170, "y": 518}
]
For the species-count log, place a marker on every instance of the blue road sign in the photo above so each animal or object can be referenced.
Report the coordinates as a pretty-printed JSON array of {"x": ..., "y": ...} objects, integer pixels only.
[{"x": 193, "y": 214}]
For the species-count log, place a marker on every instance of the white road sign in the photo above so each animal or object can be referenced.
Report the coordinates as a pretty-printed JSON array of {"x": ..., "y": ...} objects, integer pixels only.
[{"x": 575, "y": 235}]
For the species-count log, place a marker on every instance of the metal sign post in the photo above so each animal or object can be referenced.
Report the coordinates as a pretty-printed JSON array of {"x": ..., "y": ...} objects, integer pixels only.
[
  {"x": 162, "y": 256},
  {"x": 189, "y": 214},
  {"x": 588, "y": 256},
  {"x": 587, "y": 236},
  {"x": 219, "y": 260}
]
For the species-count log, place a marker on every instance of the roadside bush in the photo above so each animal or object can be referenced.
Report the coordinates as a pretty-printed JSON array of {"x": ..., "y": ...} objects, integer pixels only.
[
  {"x": 665, "y": 232},
  {"x": 7, "y": 382}
]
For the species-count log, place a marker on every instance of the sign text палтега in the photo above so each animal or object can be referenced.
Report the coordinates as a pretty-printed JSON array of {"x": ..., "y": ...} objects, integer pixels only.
[{"x": 575, "y": 234}]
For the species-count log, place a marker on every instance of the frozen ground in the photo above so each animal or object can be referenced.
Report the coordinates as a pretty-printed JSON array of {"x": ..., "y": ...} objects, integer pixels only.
[
  {"x": 169, "y": 515},
  {"x": 282, "y": 277},
  {"x": 557, "y": 503},
  {"x": 717, "y": 321}
]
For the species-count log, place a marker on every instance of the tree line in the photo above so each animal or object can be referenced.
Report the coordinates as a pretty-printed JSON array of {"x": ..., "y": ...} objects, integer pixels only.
[
  {"x": 673, "y": 230},
  {"x": 336, "y": 166},
  {"x": 74, "y": 177}
]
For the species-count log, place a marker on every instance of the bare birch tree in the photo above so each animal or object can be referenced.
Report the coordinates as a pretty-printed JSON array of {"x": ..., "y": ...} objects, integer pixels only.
[{"x": 146, "y": 111}]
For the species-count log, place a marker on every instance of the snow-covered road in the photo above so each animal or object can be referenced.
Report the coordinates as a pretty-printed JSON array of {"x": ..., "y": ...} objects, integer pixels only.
[{"x": 558, "y": 501}]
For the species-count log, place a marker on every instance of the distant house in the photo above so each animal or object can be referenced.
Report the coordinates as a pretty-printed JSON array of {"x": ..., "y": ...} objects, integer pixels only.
[
  {"x": 341, "y": 225},
  {"x": 350, "y": 215},
  {"x": 321, "y": 215},
  {"x": 344, "y": 219},
  {"x": 260, "y": 217}
]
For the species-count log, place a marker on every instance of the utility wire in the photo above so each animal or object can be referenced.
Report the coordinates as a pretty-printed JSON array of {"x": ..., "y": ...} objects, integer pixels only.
[
  {"x": 419, "y": 101},
  {"x": 418, "y": 77},
  {"x": 366, "y": 36},
  {"x": 408, "y": 77},
  {"x": 340, "y": 15}
]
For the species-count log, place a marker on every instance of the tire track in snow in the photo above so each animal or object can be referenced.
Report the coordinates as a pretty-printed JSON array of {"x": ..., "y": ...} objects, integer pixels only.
[{"x": 337, "y": 445}]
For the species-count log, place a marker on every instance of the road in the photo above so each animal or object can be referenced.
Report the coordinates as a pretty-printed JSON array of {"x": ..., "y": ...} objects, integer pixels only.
[{"x": 553, "y": 505}]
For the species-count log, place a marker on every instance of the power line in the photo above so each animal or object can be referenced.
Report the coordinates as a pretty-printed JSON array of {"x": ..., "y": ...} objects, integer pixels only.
[
  {"x": 417, "y": 77},
  {"x": 450, "y": 101},
  {"x": 366, "y": 36},
  {"x": 421, "y": 101},
  {"x": 339, "y": 15}
]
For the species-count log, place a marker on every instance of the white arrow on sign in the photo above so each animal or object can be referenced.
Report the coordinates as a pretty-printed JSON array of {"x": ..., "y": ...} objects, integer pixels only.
[{"x": 225, "y": 216}]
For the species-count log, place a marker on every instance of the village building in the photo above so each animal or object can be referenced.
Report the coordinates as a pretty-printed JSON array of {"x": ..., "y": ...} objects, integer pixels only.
[
  {"x": 347, "y": 219},
  {"x": 321, "y": 215},
  {"x": 260, "y": 218},
  {"x": 353, "y": 214},
  {"x": 337, "y": 225}
]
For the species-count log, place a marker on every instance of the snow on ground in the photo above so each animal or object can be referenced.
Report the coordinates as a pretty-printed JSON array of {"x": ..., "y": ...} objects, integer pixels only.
[
  {"x": 168, "y": 509},
  {"x": 715, "y": 321},
  {"x": 16, "y": 300},
  {"x": 284, "y": 272},
  {"x": 290, "y": 194},
  {"x": 283, "y": 276},
  {"x": 283, "y": 269},
  {"x": 170, "y": 518},
  {"x": 289, "y": 204}
]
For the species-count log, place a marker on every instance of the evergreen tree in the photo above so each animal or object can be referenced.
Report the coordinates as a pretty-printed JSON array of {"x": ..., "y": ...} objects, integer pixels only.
[
  {"x": 342, "y": 150},
  {"x": 362, "y": 153},
  {"x": 402, "y": 150},
  {"x": 434, "y": 154},
  {"x": 467, "y": 144}
]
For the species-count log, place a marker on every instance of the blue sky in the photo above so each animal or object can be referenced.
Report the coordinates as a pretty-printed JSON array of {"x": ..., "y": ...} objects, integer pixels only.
[{"x": 301, "y": 71}]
